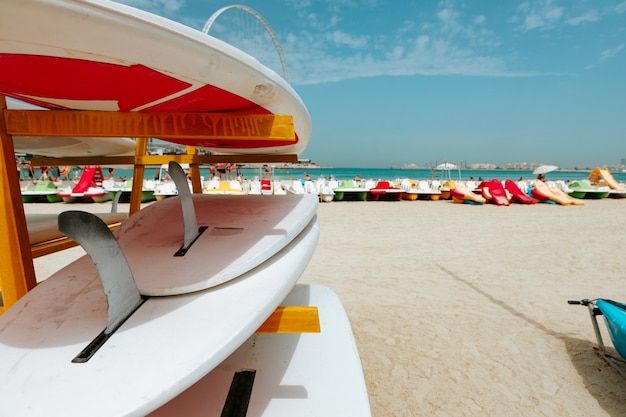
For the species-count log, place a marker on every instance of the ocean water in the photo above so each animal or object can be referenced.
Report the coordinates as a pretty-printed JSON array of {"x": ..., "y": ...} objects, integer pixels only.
[{"x": 392, "y": 173}]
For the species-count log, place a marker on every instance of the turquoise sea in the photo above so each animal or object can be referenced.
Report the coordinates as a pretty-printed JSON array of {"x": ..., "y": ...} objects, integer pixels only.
[{"x": 393, "y": 173}]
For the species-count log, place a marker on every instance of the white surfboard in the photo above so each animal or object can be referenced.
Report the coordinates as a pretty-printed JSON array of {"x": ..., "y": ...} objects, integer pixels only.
[
  {"x": 304, "y": 375},
  {"x": 58, "y": 147},
  {"x": 167, "y": 345},
  {"x": 102, "y": 55},
  {"x": 242, "y": 232}
]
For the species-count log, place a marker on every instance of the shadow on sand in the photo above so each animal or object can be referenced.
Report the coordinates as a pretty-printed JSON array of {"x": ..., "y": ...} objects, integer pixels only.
[{"x": 604, "y": 383}]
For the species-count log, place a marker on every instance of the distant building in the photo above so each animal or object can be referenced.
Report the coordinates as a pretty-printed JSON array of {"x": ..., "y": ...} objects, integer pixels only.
[
  {"x": 483, "y": 166},
  {"x": 522, "y": 166}
]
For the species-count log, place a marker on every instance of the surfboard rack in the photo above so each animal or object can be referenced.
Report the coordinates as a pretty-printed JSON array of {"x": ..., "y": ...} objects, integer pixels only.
[{"x": 17, "y": 273}]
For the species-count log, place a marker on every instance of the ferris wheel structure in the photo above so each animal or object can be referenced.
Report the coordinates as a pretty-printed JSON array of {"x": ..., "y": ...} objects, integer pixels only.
[{"x": 259, "y": 19}]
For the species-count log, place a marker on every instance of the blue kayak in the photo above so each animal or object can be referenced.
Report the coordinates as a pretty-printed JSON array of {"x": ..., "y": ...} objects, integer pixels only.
[{"x": 615, "y": 317}]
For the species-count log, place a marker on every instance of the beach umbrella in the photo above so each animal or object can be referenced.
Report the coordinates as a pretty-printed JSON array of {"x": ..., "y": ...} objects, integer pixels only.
[
  {"x": 544, "y": 169},
  {"x": 446, "y": 165}
]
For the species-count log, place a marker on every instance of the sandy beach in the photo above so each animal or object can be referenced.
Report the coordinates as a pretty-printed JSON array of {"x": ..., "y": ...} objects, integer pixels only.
[{"x": 461, "y": 310}]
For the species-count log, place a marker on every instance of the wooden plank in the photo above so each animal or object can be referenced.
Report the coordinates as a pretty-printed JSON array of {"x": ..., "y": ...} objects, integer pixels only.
[
  {"x": 194, "y": 172},
  {"x": 163, "y": 159},
  {"x": 227, "y": 126},
  {"x": 292, "y": 319},
  {"x": 17, "y": 273},
  {"x": 56, "y": 245},
  {"x": 141, "y": 146}
]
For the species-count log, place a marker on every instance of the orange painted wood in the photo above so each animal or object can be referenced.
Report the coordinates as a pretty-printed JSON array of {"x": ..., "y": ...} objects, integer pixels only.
[
  {"x": 141, "y": 147},
  {"x": 228, "y": 126},
  {"x": 17, "y": 273},
  {"x": 292, "y": 319}
]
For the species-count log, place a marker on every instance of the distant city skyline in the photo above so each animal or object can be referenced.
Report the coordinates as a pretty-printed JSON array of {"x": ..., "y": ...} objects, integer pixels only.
[{"x": 393, "y": 83}]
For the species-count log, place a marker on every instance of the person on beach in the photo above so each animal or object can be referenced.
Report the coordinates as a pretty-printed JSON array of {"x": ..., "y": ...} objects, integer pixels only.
[
  {"x": 43, "y": 173},
  {"x": 266, "y": 171},
  {"x": 111, "y": 176},
  {"x": 211, "y": 171},
  {"x": 541, "y": 177},
  {"x": 221, "y": 169},
  {"x": 471, "y": 184},
  {"x": 31, "y": 171},
  {"x": 54, "y": 173}
]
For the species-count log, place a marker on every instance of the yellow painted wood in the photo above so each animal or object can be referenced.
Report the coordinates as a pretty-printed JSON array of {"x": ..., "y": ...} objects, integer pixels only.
[
  {"x": 292, "y": 319},
  {"x": 46, "y": 248},
  {"x": 56, "y": 245},
  {"x": 226, "y": 126},
  {"x": 194, "y": 171},
  {"x": 141, "y": 147},
  {"x": 17, "y": 273}
]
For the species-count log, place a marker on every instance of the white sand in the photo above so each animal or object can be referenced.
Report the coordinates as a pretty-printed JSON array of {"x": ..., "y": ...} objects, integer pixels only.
[{"x": 462, "y": 310}]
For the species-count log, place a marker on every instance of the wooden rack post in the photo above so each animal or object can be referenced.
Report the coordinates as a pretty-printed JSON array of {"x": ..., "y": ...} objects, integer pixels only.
[{"x": 17, "y": 273}]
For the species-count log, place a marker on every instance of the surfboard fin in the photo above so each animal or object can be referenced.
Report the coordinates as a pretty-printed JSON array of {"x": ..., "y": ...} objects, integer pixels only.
[
  {"x": 238, "y": 398},
  {"x": 192, "y": 231},
  {"x": 120, "y": 289}
]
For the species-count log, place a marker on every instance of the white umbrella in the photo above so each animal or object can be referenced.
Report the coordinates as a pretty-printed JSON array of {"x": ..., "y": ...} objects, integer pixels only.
[
  {"x": 544, "y": 169},
  {"x": 446, "y": 165}
]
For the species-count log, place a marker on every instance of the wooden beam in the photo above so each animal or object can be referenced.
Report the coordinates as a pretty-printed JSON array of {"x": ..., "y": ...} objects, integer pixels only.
[
  {"x": 164, "y": 159},
  {"x": 292, "y": 319},
  {"x": 141, "y": 145},
  {"x": 56, "y": 245},
  {"x": 194, "y": 172},
  {"x": 17, "y": 273},
  {"x": 225, "y": 126}
]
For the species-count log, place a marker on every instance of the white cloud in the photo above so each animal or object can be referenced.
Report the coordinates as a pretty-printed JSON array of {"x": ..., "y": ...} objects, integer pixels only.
[
  {"x": 450, "y": 42},
  {"x": 621, "y": 8},
  {"x": 341, "y": 38},
  {"x": 542, "y": 15},
  {"x": 612, "y": 52},
  {"x": 591, "y": 16}
]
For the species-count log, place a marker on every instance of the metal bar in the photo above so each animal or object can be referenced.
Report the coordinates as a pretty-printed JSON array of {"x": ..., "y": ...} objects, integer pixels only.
[{"x": 591, "y": 307}]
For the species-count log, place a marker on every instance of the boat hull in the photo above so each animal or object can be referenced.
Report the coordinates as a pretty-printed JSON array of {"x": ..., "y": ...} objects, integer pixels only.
[
  {"x": 577, "y": 194},
  {"x": 615, "y": 318},
  {"x": 146, "y": 196},
  {"x": 349, "y": 195}
]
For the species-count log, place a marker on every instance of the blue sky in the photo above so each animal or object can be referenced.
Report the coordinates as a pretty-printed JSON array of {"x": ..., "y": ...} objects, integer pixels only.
[{"x": 482, "y": 81}]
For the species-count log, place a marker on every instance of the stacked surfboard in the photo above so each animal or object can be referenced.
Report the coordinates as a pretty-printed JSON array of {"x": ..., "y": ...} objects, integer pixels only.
[
  {"x": 172, "y": 298},
  {"x": 101, "y": 55},
  {"x": 170, "y": 341}
]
